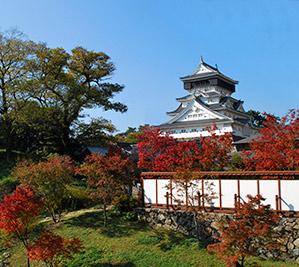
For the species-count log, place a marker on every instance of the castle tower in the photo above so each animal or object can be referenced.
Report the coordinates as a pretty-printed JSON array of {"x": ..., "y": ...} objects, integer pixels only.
[{"x": 209, "y": 102}]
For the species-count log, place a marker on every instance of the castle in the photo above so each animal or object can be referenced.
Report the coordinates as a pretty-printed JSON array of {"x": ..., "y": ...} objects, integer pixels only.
[{"x": 209, "y": 102}]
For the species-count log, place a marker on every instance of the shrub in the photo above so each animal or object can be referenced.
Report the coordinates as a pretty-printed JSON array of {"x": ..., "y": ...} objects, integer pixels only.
[
  {"x": 91, "y": 258},
  {"x": 250, "y": 228},
  {"x": 130, "y": 216},
  {"x": 51, "y": 248}
]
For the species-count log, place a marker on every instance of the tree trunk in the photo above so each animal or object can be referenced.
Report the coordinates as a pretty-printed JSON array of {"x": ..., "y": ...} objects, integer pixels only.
[
  {"x": 52, "y": 214},
  {"x": 28, "y": 261},
  {"x": 65, "y": 140},
  {"x": 54, "y": 218},
  {"x": 6, "y": 125},
  {"x": 105, "y": 215},
  {"x": 7, "y": 128},
  {"x": 241, "y": 264}
]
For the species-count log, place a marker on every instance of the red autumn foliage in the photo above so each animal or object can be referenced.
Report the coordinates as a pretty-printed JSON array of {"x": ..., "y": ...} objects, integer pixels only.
[
  {"x": 151, "y": 147},
  {"x": 277, "y": 147},
  {"x": 159, "y": 152},
  {"x": 18, "y": 214},
  {"x": 250, "y": 229},
  {"x": 18, "y": 211},
  {"x": 49, "y": 178},
  {"x": 50, "y": 248},
  {"x": 179, "y": 156},
  {"x": 107, "y": 177},
  {"x": 215, "y": 150}
]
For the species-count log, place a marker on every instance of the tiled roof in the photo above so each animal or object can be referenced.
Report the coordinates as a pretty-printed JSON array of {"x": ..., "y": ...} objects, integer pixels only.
[
  {"x": 179, "y": 109},
  {"x": 186, "y": 97},
  {"x": 201, "y": 76}
]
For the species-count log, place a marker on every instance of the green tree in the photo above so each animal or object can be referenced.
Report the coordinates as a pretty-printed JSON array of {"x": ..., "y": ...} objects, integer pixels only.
[
  {"x": 72, "y": 82},
  {"x": 37, "y": 129},
  {"x": 43, "y": 92},
  {"x": 97, "y": 131},
  {"x": 131, "y": 135},
  {"x": 15, "y": 52}
]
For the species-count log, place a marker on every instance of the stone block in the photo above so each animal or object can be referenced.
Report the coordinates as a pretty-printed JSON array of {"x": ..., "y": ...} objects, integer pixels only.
[{"x": 296, "y": 243}]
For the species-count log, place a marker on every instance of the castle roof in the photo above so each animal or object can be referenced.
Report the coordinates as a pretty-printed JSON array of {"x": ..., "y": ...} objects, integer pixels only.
[
  {"x": 205, "y": 71},
  {"x": 223, "y": 103}
]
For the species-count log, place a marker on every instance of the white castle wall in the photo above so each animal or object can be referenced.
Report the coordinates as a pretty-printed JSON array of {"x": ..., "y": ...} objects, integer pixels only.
[{"x": 229, "y": 187}]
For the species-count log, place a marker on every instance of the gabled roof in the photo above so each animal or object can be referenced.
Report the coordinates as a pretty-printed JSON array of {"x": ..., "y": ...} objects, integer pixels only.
[
  {"x": 213, "y": 107},
  {"x": 185, "y": 98},
  {"x": 204, "y": 70},
  {"x": 181, "y": 111},
  {"x": 205, "y": 67},
  {"x": 172, "y": 113}
]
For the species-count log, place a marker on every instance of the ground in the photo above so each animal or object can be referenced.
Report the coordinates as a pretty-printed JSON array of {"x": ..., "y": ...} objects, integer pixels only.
[{"x": 127, "y": 242}]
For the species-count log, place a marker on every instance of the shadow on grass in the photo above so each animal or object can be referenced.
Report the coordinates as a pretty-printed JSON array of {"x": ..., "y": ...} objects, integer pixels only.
[
  {"x": 127, "y": 264},
  {"x": 168, "y": 239},
  {"x": 117, "y": 225},
  {"x": 93, "y": 257}
]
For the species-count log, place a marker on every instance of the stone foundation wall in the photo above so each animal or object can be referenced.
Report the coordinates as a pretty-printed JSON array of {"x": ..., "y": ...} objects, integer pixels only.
[{"x": 206, "y": 229}]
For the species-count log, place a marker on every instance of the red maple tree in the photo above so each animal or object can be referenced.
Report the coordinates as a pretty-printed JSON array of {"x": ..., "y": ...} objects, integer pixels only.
[
  {"x": 215, "y": 150},
  {"x": 18, "y": 214},
  {"x": 277, "y": 146},
  {"x": 247, "y": 231},
  {"x": 107, "y": 177},
  {"x": 151, "y": 147},
  {"x": 49, "y": 179},
  {"x": 51, "y": 248}
]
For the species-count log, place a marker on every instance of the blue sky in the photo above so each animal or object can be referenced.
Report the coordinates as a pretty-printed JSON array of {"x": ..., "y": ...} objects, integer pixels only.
[{"x": 153, "y": 43}]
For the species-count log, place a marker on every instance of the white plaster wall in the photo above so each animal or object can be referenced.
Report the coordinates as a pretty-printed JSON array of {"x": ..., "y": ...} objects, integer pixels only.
[
  {"x": 189, "y": 134},
  {"x": 229, "y": 187},
  {"x": 248, "y": 187},
  {"x": 163, "y": 187},
  {"x": 289, "y": 194},
  {"x": 269, "y": 189},
  {"x": 149, "y": 191}
]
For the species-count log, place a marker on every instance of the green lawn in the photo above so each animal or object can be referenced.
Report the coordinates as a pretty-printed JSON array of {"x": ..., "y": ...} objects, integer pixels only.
[{"x": 126, "y": 242}]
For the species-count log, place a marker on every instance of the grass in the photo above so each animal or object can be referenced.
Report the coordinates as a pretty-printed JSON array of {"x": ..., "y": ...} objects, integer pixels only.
[{"x": 130, "y": 243}]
